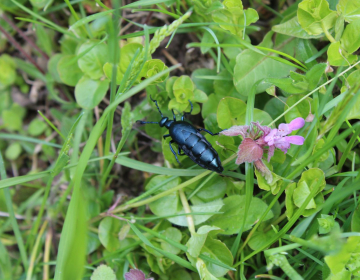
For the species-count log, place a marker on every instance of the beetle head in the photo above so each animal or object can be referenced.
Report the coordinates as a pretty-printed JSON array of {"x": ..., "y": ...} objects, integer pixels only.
[{"x": 163, "y": 121}]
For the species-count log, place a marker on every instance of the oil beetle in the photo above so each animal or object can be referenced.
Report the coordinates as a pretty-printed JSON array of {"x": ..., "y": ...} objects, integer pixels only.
[{"x": 190, "y": 141}]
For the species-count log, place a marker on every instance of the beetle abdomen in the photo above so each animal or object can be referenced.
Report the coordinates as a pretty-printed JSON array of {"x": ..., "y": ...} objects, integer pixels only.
[{"x": 202, "y": 153}]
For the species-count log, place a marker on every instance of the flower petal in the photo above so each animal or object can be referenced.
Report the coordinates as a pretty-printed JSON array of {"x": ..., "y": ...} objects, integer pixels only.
[
  {"x": 282, "y": 144},
  {"x": 296, "y": 124},
  {"x": 264, "y": 170},
  {"x": 135, "y": 274},
  {"x": 270, "y": 138},
  {"x": 236, "y": 130},
  {"x": 249, "y": 151},
  {"x": 296, "y": 140},
  {"x": 284, "y": 129},
  {"x": 270, "y": 152}
]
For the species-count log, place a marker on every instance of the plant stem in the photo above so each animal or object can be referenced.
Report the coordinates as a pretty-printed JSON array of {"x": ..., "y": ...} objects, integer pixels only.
[
  {"x": 187, "y": 209},
  {"x": 34, "y": 251},
  {"x": 327, "y": 33}
]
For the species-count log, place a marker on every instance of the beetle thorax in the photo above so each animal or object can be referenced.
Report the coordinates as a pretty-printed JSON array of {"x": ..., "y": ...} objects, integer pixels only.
[{"x": 165, "y": 122}]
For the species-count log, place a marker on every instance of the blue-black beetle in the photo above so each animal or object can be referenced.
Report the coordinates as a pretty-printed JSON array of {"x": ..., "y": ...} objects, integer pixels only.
[{"x": 190, "y": 141}]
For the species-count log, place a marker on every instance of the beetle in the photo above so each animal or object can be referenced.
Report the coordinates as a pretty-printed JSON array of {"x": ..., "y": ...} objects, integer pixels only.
[{"x": 189, "y": 140}]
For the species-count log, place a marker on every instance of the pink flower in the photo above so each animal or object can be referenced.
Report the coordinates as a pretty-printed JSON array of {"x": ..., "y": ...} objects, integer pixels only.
[
  {"x": 258, "y": 138},
  {"x": 136, "y": 274}
]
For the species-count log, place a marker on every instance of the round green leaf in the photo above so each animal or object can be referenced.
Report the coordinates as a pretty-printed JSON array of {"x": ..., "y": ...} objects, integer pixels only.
[
  {"x": 8, "y": 71},
  {"x": 350, "y": 40},
  {"x": 151, "y": 68},
  {"x": 173, "y": 234},
  {"x": 339, "y": 57},
  {"x": 313, "y": 15},
  {"x": 13, "y": 151},
  {"x": 69, "y": 70},
  {"x": 229, "y": 112},
  {"x": 93, "y": 61},
  {"x": 169, "y": 204},
  {"x": 52, "y": 67},
  {"x": 89, "y": 93},
  {"x": 109, "y": 228},
  {"x": 103, "y": 272},
  {"x": 37, "y": 127},
  {"x": 232, "y": 218}
]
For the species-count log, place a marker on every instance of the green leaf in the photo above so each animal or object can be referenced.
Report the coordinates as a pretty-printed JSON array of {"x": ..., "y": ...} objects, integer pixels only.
[
  {"x": 252, "y": 67},
  {"x": 13, "y": 151},
  {"x": 355, "y": 220},
  {"x": 232, "y": 218},
  {"x": 183, "y": 89},
  {"x": 103, "y": 272},
  {"x": 94, "y": 59},
  {"x": 302, "y": 110},
  {"x": 126, "y": 55},
  {"x": 339, "y": 27},
  {"x": 169, "y": 204},
  {"x": 286, "y": 84},
  {"x": 314, "y": 15},
  {"x": 210, "y": 106},
  {"x": 217, "y": 250},
  {"x": 68, "y": 70},
  {"x": 326, "y": 223},
  {"x": 72, "y": 248},
  {"x": 45, "y": 37},
  {"x": 313, "y": 76},
  {"x": 37, "y": 127},
  {"x": 175, "y": 235},
  {"x": 213, "y": 206},
  {"x": 224, "y": 87},
  {"x": 203, "y": 271},
  {"x": 275, "y": 184},
  {"x": 293, "y": 28},
  {"x": 350, "y": 9},
  {"x": 8, "y": 71},
  {"x": 52, "y": 67},
  {"x": 89, "y": 92},
  {"x": 12, "y": 117},
  {"x": 214, "y": 189},
  {"x": 352, "y": 81},
  {"x": 338, "y": 56},
  {"x": 151, "y": 68},
  {"x": 197, "y": 240},
  {"x": 200, "y": 96},
  {"x": 206, "y": 85},
  {"x": 347, "y": 255},
  {"x": 350, "y": 39},
  {"x": 260, "y": 238},
  {"x": 289, "y": 202},
  {"x": 235, "y": 16},
  {"x": 5, "y": 264},
  {"x": 229, "y": 111},
  {"x": 109, "y": 229},
  {"x": 39, "y": 4},
  {"x": 306, "y": 183}
]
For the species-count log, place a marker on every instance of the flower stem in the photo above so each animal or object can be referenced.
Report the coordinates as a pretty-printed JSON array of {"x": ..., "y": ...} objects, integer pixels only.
[
  {"x": 327, "y": 33},
  {"x": 187, "y": 210}
]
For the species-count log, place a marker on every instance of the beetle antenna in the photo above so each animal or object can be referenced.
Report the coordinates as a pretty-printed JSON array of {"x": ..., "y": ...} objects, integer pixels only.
[
  {"x": 142, "y": 122},
  {"x": 157, "y": 106}
]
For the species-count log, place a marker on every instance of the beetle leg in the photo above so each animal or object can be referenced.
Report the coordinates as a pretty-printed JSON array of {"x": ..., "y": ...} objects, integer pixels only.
[
  {"x": 166, "y": 135},
  {"x": 187, "y": 113},
  {"x": 179, "y": 152},
  {"x": 173, "y": 115},
  {"x": 171, "y": 148},
  {"x": 203, "y": 129}
]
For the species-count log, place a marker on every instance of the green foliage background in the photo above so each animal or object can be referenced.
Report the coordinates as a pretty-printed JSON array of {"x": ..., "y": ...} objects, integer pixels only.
[{"x": 86, "y": 193}]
